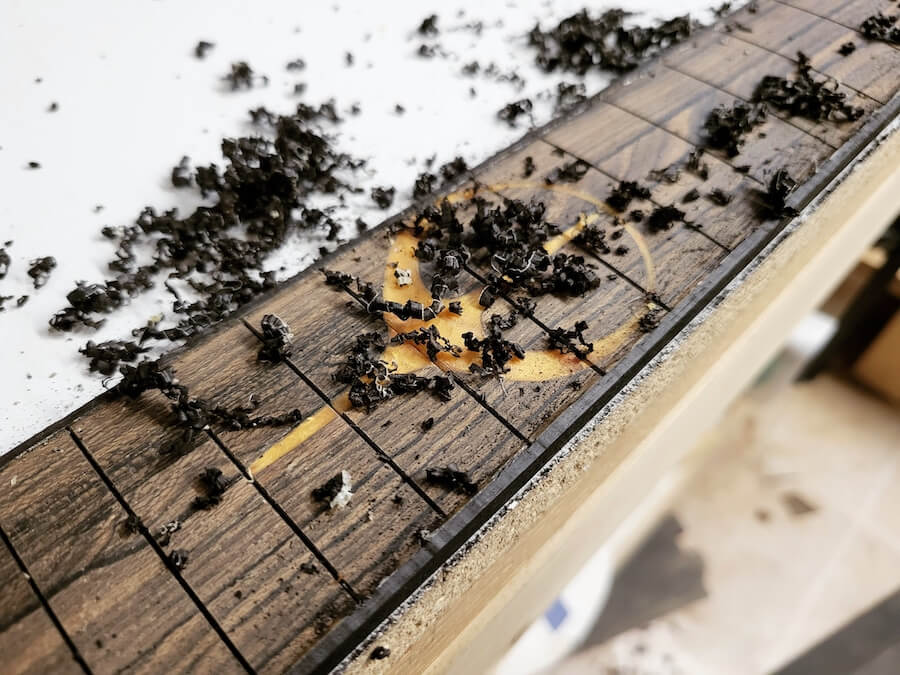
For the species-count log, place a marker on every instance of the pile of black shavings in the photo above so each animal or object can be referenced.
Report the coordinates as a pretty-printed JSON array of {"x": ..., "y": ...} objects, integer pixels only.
[
  {"x": 774, "y": 200},
  {"x": 624, "y": 192},
  {"x": 726, "y": 127},
  {"x": 513, "y": 235},
  {"x": 212, "y": 485},
  {"x": 218, "y": 253},
  {"x": 881, "y": 27},
  {"x": 581, "y": 43},
  {"x": 373, "y": 380},
  {"x": 192, "y": 416},
  {"x": 510, "y": 237},
  {"x": 511, "y": 112},
  {"x": 447, "y": 174},
  {"x": 571, "y": 341},
  {"x": 431, "y": 339},
  {"x": 39, "y": 270},
  {"x": 805, "y": 96},
  {"x": 276, "y": 339},
  {"x": 495, "y": 350}
]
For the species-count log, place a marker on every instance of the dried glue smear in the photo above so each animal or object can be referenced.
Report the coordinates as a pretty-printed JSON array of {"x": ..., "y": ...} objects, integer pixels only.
[{"x": 343, "y": 495}]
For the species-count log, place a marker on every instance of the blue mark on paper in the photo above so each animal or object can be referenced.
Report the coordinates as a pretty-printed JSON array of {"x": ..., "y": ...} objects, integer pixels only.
[{"x": 556, "y": 614}]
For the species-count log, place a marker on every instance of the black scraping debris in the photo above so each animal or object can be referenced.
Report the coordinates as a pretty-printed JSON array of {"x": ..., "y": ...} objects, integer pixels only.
[
  {"x": 242, "y": 76},
  {"x": 649, "y": 321},
  {"x": 847, "y": 48},
  {"x": 726, "y": 127},
  {"x": 511, "y": 112},
  {"x": 691, "y": 196},
  {"x": 221, "y": 251},
  {"x": 179, "y": 559},
  {"x": 182, "y": 173},
  {"x": 5, "y": 262},
  {"x": 696, "y": 165},
  {"x": 624, "y": 192},
  {"x": 40, "y": 268},
  {"x": 881, "y": 27},
  {"x": 428, "y": 26},
  {"x": 106, "y": 356},
  {"x": 580, "y": 43},
  {"x": 425, "y": 184},
  {"x": 569, "y": 95},
  {"x": 451, "y": 171},
  {"x": 805, "y": 96},
  {"x": 380, "y": 653},
  {"x": 191, "y": 416},
  {"x": 719, "y": 197},
  {"x": 496, "y": 351},
  {"x": 212, "y": 485},
  {"x": 663, "y": 217},
  {"x": 431, "y": 339},
  {"x": 296, "y": 64},
  {"x": 309, "y": 568},
  {"x": 53, "y": 107},
  {"x": 780, "y": 187},
  {"x": 164, "y": 534},
  {"x": 670, "y": 174},
  {"x": 571, "y": 341},
  {"x": 202, "y": 48},
  {"x": 427, "y": 425},
  {"x": 276, "y": 339},
  {"x": 528, "y": 167},
  {"x": 335, "y": 492},
  {"x": 568, "y": 173},
  {"x": 383, "y": 196},
  {"x": 593, "y": 237},
  {"x": 451, "y": 478},
  {"x": 33, "y": 165}
]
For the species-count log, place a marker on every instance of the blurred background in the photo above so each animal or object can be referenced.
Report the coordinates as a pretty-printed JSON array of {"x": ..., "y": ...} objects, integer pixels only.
[{"x": 772, "y": 546}]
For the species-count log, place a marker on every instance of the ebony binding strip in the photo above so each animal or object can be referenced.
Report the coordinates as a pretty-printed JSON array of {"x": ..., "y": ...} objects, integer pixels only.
[
  {"x": 444, "y": 542},
  {"x": 166, "y": 560}
]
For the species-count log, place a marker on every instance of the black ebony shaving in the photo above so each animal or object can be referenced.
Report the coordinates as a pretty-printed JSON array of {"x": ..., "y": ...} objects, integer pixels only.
[
  {"x": 726, "y": 127},
  {"x": 39, "y": 270},
  {"x": 805, "y": 96},
  {"x": 276, "y": 339},
  {"x": 580, "y": 42},
  {"x": 451, "y": 478}
]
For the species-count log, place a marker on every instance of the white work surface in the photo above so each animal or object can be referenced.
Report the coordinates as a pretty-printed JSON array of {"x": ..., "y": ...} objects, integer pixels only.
[{"x": 133, "y": 99}]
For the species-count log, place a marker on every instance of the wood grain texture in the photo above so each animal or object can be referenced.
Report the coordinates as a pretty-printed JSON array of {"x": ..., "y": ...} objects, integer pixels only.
[
  {"x": 278, "y": 571},
  {"x": 736, "y": 67},
  {"x": 29, "y": 642},
  {"x": 849, "y": 13},
  {"x": 243, "y": 560},
  {"x": 872, "y": 69},
  {"x": 694, "y": 253},
  {"x": 112, "y": 593},
  {"x": 395, "y": 424},
  {"x": 377, "y": 531}
]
